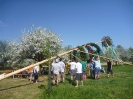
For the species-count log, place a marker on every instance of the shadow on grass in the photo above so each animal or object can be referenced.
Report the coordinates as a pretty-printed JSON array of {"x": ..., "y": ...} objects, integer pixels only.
[
  {"x": 17, "y": 86},
  {"x": 42, "y": 87},
  {"x": 71, "y": 81},
  {"x": 46, "y": 90}
]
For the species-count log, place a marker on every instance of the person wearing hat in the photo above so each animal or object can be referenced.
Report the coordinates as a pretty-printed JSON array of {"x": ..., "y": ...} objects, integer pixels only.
[{"x": 56, "y": 69}]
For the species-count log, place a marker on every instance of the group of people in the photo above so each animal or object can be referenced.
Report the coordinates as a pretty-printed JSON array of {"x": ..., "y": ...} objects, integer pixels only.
[
  {"x": 95, "y": 68},
  {"x": 58, "y": 69},
  {"x": 78, "y": 69}
]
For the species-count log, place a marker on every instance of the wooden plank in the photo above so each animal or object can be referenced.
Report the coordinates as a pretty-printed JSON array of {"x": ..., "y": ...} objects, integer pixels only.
[{"x": 38, "y": 63}]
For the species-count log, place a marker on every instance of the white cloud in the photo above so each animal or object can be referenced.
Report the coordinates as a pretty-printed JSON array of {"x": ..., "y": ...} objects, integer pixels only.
[{"x": 1, "y": 24}]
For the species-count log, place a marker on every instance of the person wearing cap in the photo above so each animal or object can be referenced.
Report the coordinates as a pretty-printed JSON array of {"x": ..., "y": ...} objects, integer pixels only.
[{"x": 56, "y": 69}]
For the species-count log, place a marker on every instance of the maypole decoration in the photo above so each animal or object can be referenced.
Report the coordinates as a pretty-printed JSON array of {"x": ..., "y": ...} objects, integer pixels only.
[
  {"x": 111, "y": 52},
  {"x": 75, "y": 54},
  {"x": 90, "y": 49},
  {"x": 81, "y": 55}
]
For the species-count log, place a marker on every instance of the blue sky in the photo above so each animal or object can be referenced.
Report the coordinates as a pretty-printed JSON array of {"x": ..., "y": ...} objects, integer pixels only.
[{"x": 77, "y": 22}]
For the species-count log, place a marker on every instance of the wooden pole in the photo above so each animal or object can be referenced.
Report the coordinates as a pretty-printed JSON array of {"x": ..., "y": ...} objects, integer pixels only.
[{"x": 38, "y": 63}]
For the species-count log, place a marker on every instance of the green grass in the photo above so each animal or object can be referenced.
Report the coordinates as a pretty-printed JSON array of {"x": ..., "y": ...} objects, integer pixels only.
[
  {"x": 21, "y": 88},
  {"x": 118, "y": 87}
]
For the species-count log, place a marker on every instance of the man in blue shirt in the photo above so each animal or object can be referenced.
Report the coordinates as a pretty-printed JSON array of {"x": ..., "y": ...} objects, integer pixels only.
[{"x": 92, "y": 68}]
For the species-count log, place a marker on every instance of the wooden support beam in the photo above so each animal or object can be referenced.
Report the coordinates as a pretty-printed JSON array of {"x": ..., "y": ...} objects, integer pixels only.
[{"x": 38, "y": 63}]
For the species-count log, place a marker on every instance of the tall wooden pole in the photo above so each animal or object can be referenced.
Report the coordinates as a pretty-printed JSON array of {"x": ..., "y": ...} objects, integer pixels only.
[
  {"x": 38, "y": 63},
  {"x": 49, "y": 78}
]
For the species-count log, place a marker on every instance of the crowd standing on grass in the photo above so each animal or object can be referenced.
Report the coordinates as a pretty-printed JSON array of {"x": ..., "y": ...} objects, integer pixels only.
[{"x": 78, "y": 70}]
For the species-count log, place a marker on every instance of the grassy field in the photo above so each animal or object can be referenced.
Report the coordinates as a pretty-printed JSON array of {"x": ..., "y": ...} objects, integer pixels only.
[{"x": 118, "y": 87}]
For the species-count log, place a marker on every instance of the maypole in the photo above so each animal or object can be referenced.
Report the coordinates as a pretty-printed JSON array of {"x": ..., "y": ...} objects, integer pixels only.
[{"x": 110, "y": 51}]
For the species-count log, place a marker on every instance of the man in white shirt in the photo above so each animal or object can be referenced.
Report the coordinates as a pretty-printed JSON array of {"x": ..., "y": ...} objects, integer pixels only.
[
  {"x": 56, "y": 69},
  {"x": 72, "y": 69},
  {"x": 78, "y": 73},
  {"x": 62, "y": 66}
]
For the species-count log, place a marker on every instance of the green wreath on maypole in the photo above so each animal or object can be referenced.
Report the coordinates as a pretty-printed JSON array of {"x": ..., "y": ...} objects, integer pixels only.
[
  {"x": 82, "y": 54},
  {"x": 97, "y": 51},
  {"x": 90, "y": 49}
]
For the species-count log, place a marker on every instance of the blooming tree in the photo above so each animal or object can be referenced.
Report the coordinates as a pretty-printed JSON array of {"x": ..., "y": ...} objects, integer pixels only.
[
  {"x": 65, "y": 57},
  {"x": 4, "y": 52},
  {"x": 37, "y": 44},
  {"x": 125, "y": 54},
  {"x": 131, "y": 51},
  {"x": 7, "y": 52}
]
